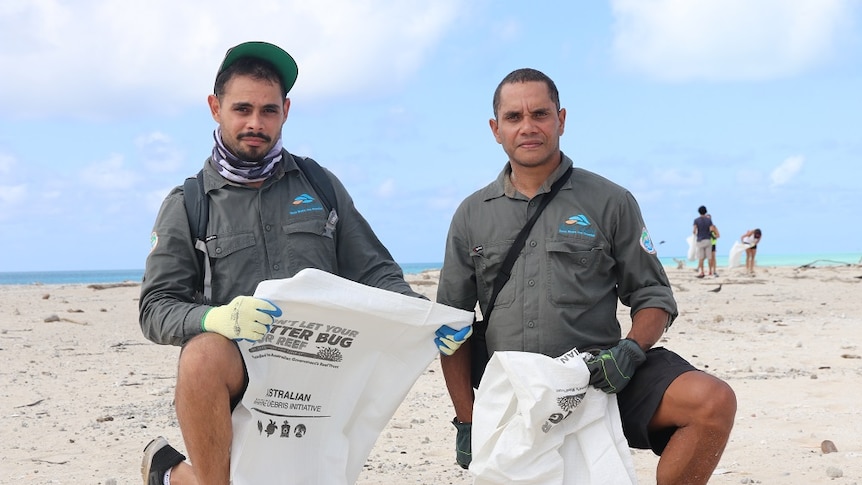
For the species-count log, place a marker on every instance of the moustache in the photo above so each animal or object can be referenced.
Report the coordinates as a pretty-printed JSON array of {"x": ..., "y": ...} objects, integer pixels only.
[{"x": 255, "y": 135}]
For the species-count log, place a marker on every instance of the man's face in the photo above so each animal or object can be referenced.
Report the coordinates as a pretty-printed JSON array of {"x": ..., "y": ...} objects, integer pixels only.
[
  {"x": 250, "y": 113},
  {"x": 528, "y": 125}
]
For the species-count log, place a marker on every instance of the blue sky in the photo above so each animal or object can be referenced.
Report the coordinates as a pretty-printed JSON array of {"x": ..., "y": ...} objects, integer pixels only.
[{"x": 752, "y": 108}]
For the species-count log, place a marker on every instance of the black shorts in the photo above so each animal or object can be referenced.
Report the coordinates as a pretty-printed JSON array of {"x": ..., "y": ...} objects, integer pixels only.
[{"x": 639, "y": 400}]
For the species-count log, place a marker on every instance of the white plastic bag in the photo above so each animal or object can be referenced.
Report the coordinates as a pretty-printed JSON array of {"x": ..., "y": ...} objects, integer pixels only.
[
  {"x": 536, "y": 420},
  {"x": 692, "y": 247},
  {"x": 326, "y": 379},
  {"x": 734, "y": 259}
]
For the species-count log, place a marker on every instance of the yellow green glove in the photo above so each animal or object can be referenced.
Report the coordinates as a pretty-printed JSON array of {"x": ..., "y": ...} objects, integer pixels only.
[
  {"x": 612, "y": 369},
  {"x": 244, "y": 318}
]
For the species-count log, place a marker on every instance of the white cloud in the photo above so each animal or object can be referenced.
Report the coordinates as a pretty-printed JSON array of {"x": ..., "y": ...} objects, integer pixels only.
[
  {"x": 386, "y": 189},
  {"x": 154, "y": 198},
  {"x": 12, "y": 194},
  {"x": 106, "y": 58},
  {"x": 727, "y": 40},
  {"x": 110, "y": 175},
  {"x": 6, "y": 163},
  {"x": 679, "y": 178},
  {"x": 651, "y": 195},
  {"x": 51, "y": 195},
  {"x": 509, "y": 29},
  {"x": 749, "y": 177},
  {"x": 159, "y": 152},
  {"x": 447, "y": 202},
  {"x": 786, "y": 171}
]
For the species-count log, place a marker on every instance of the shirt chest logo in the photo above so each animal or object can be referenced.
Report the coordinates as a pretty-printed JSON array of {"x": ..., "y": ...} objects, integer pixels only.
[
  {"x": 578, "y": 225},
  {"x": 305, "y": 203}
]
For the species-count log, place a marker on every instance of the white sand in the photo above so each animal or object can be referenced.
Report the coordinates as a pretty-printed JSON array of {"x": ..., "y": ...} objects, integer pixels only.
[{"x": 82, "y": 396}]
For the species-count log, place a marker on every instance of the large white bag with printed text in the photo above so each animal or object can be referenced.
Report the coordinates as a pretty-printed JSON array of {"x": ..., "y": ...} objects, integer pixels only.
[
  {"x": 537, "y": 421},
  {"x": 326, "y": 379}
]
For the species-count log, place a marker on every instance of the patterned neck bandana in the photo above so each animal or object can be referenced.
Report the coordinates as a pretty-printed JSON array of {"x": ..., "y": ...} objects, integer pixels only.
[{"x": 243, "y": 171}]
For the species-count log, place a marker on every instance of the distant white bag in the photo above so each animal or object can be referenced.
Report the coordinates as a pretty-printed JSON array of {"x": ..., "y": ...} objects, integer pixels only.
[
  {"x": 536, "y": 420},
  {"x": 734, "y": 259},
  {"x": 692, "y": 247},
  {"x": 326, "y": 379}
]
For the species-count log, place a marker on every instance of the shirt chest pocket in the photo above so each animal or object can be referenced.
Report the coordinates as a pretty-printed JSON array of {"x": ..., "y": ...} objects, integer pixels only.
[
  {"x": 575, "y": 276},
  {"x": 235, "y": 263},
  {"x": 225, "y": 245},
  {"x": 310, "y": 244},
  {"x": 487, "y": 261}
]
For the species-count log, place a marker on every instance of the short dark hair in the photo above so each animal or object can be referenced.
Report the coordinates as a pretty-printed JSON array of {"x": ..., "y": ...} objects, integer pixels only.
[
  {"x": 525, "y": 75},
  {"x": 701, "y": 210},
  {"x": 757, "y": 233},
  {"x": 253, "y": 67}
]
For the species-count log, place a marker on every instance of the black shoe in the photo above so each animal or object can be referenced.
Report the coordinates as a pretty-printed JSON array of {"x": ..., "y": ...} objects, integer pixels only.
[{"x": 159, "y": 457}]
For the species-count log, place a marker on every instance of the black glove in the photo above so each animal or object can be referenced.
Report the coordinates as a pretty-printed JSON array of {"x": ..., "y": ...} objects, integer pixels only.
[
  {"x": 612, "y": 369},
  {"x": 463, "y": 449}
]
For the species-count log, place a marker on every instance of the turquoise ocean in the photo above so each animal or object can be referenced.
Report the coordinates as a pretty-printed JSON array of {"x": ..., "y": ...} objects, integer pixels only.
[
  {"x": 123, "y": 275},
  {"x": 780, "y": 260},
  {"x": 119, "y": 276}
]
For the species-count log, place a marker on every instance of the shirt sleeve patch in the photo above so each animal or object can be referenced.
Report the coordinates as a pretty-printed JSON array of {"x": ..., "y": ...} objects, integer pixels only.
[
  {"x": 646, "y": 242},
  {"x": 154, "y": 240}
]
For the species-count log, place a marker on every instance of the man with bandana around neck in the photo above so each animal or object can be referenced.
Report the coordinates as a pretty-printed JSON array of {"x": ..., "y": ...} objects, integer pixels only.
[{"x": 265, "y": 222}]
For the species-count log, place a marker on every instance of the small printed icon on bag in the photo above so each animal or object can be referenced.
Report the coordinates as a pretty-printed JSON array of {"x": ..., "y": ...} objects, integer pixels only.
[{"x": 567, "y": 405}]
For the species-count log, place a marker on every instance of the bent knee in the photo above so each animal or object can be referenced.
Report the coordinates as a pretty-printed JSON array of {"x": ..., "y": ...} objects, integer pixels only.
[
  {"x": 210, "y": 352},
  {"x": 719, "y": 407},
  {"x": 697, "y": 398}
]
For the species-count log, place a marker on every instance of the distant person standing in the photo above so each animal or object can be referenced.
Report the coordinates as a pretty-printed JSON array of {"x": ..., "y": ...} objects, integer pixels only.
[
  {"x": 751, "y": 239},
  {"x": 702, "y": 229},
  {"x": 713, "y": 238}
]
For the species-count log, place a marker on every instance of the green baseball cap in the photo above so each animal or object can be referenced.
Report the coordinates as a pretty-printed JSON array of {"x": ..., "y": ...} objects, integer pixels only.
[{"x": 284, "y": 64}]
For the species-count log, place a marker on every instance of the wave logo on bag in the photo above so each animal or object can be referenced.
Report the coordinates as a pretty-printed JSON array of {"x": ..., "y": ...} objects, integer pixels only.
[{"x": 323, "y": 343}]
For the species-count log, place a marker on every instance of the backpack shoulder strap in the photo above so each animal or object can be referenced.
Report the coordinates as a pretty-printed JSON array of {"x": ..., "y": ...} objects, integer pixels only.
[
  {"x": 321, "y": 184},
  {"x": 197, "y": 205},
  {"x": 197, "y": 211},
  {"x": 319, "y": 181}
]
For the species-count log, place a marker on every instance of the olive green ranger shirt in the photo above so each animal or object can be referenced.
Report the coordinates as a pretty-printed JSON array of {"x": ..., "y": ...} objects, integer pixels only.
[
  {"x": 588, "y": 249},
  {"x": 254, "y": 234}
]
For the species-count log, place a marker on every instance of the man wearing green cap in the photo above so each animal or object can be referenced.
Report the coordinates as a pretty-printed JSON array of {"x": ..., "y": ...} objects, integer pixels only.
[{"x": 266, "y": 220}]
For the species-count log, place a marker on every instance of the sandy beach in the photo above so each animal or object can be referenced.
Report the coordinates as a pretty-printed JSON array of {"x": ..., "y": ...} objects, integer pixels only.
[{"x": 83, "y": 391}]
